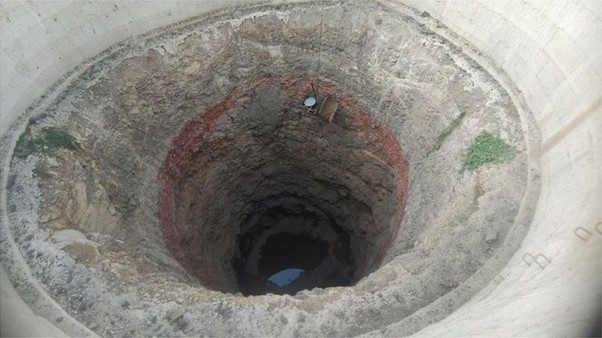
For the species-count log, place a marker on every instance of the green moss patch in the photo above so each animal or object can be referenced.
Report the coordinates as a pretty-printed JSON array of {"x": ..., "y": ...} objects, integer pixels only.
[
  {"x": 446, "y": 132},
  {"x": 487, "y": 148},
  {"x": 407, "y": 247},
  {"x": 46, "y": 141}
]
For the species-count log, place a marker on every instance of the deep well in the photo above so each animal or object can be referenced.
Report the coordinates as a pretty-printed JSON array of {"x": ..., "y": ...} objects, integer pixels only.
[{"x": 161, "y": 175}]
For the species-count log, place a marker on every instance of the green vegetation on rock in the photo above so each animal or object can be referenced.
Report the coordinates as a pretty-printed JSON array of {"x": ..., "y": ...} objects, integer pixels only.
[
  {"x": 446, "y": 132},
  {"x": 487, "y": 148},
  {"x": 407, "y": 247},
  {"x": 45, "y": 141}
]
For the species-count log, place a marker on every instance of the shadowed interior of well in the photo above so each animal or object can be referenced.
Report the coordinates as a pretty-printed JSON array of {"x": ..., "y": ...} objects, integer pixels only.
[{"x": 264, "y": 166}]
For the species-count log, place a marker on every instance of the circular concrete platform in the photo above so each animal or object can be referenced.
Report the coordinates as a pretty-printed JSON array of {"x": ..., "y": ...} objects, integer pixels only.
[{"x": 449, "y": 162}]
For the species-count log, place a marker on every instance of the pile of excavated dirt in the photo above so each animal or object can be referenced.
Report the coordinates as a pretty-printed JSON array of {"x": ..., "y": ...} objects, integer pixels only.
[{"x": 144, "y": 199}]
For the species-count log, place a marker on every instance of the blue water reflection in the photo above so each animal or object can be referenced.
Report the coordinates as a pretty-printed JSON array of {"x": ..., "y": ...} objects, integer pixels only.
[{"x": 285, "y": 277}]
